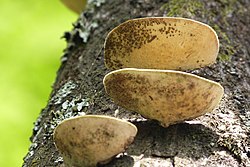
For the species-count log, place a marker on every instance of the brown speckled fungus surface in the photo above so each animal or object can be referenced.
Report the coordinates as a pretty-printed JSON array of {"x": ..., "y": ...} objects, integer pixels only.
[
  {"x": 161, "y": 43},
  {"x": 85, "y": 141},
  {"x": 164, "y": 95},
  {"x": 149, "y": 50}
]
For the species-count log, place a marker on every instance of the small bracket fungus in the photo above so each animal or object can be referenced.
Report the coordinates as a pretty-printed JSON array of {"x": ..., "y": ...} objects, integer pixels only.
[
  {"x": 161, "y": 43},
  {"x": 88, "y": 140},
  {"x": 164, "y": 95},
  {"x": 75, "y": 5}
]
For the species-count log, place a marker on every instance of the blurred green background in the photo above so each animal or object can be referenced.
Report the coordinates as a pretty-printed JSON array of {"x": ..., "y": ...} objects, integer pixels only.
[{"x": 30, "y": 51}]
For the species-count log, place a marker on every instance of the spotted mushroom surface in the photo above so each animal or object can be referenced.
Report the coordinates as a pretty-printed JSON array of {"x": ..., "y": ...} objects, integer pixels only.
[
  {"x": 87, "y": 140},
  {"x": 161, "y": 43},
  {"x": 164, "y": 95}
]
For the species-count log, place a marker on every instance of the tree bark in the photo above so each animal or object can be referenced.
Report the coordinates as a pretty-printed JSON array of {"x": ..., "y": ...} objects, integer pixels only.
[{"x": 217, "y": 138}]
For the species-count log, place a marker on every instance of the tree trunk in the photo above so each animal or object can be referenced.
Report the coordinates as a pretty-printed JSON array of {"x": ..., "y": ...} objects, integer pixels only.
[{"x": 217, "y": 138}]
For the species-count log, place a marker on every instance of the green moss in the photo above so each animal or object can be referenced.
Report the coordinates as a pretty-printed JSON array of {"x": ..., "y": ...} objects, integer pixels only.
[
  {"x": 198, "y": 10},
  {"x": 226, "y": 48},
  {"x": 183, "y": 8},
  {"x": 227, "y": 7}
]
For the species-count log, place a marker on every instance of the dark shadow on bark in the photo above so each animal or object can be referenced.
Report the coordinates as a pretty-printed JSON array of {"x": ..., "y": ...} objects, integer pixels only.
[
  {"x": 194, "y": 141},
  {"x": 120, "y": 162}
]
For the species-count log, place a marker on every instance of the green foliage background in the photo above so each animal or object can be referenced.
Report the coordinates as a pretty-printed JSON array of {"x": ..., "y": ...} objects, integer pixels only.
[{"x": 30, "y": 51}]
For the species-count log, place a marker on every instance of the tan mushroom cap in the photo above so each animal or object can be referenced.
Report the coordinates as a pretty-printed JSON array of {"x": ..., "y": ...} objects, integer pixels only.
[
  {"x": 87, "y": 140},
  {"x": 75, "y": 5},
  {"x": 164, "y": 95},
  {"x": 161, "y": 43}
]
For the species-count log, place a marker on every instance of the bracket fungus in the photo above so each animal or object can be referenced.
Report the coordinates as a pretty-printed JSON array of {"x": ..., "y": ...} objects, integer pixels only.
[
  {"x": 164, "y": 95},
  {"x": 161, "y": 43},
  {"x": 75, "y": 5},
  {"x": 86, "y": 141},
  {"x": 144, "y": 54}
]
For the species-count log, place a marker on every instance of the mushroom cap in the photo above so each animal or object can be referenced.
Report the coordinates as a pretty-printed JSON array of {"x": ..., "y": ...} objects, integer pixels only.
[
  {"x": 164, "y": 95},
  {"x": 87, "y": 140},
  {"x": 75, "y": 5},
  {"x": 161, "y": 43}
]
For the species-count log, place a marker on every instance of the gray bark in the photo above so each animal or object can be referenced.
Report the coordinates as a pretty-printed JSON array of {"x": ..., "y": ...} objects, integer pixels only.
[{"x": 217, "y": 138}]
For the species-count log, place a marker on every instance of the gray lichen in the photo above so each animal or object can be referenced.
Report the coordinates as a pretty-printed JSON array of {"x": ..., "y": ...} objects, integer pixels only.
[
  {"x": 63, "y": 92},
  {"x": 85, "y": 30},
  {"x": 95, "y": 3},
  {"x": 75, "y": 105},
  {"x": 68, "y": 109}
]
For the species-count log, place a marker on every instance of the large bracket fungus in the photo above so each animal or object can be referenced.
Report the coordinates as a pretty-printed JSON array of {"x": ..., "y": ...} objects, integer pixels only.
[
  {"x": 164, "y": 95},
  {"x": 86, "y": 141},
  {"x": 162, "y": 45}
]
